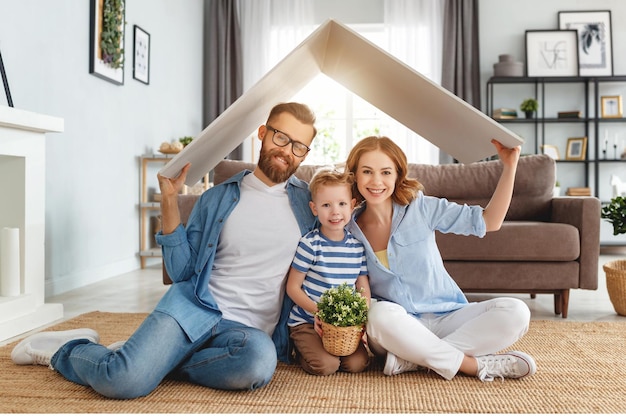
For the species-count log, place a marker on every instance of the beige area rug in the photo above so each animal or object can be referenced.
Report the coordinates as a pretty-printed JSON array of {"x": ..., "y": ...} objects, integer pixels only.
[{"x": 581, "y": 369}]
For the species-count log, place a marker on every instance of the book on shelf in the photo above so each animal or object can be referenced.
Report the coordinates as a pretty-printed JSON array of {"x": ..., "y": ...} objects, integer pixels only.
[
  {"x": 578, "y": 191},
  {"x": 572, "y": 114},
  {"x": 504, "y": 113}
]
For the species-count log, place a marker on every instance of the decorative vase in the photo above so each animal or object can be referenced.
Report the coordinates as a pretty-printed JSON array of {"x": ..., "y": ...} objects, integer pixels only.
[{"x": 341, "y": 341}]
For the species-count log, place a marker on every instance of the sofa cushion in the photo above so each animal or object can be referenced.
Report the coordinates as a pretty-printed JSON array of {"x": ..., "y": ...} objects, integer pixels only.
[
  {"x": 463, "y": 183},
  {"x": 506, "y": 277},
  {"x": 515, "y": 241},
  {"x": 475, "y": 183}
]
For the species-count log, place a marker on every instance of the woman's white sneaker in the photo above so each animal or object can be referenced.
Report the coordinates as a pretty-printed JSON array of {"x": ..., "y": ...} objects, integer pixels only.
[
  {"x": 512, "y": 364},
  {"x": 395, "y": 365},
  {"x": 39, "y": 348}
]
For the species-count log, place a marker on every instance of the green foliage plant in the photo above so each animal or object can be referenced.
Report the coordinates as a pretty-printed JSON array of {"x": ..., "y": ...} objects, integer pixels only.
[
  {"x": 185, "y": 140},
  {"x": 530, "y": 104},
  {"x": 342, "y": 306},
  {"x": 112, "y": 33},
  {"x": 615, "y": 213}
]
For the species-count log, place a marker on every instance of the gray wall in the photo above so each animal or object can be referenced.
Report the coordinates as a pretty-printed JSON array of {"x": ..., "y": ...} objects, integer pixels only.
[
  {"x": 502, "y": 26},
  {"x": 92, "y": 172}
]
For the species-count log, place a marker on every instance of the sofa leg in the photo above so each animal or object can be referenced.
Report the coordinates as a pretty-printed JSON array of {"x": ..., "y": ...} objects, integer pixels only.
[
  {"x": 558, "y": 303},
  {"x": 533, "y": 295},
  {"x": 564, "y": 302},
  {"x": 561, "y": 303}
]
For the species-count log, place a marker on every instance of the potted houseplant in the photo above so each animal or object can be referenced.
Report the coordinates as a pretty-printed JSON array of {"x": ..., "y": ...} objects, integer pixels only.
[
  {"x": 557, "y": 189},
  {"x": 185, "y": 140},
  {"x": 615, "y": 213},
  {"x": 529, "y": 107},
  {"x": 343, "y": 312}
]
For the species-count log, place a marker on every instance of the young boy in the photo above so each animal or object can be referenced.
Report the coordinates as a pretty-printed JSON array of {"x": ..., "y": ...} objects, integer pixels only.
[{"x": 326, "y": 257}]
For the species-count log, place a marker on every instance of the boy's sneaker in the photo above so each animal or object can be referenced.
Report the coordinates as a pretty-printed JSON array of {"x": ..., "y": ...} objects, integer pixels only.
[
  {"x": 38, "y": 348},
  {"x": 512, "y": 364},
  {"x": 395, "y": 365}
]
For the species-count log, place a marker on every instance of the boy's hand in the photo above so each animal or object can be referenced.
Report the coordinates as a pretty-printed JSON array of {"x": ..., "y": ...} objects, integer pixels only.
[{"x": 318, "y": 326}]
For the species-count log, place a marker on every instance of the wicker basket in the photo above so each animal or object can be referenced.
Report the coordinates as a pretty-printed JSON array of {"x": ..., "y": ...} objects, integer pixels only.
[
  {"x": 341, "y": 341},
  {"x": 616, "y": 284}
]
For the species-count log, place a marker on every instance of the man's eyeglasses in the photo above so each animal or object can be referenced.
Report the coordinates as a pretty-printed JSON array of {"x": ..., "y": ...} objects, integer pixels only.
[{"x": 281, "y": 139}]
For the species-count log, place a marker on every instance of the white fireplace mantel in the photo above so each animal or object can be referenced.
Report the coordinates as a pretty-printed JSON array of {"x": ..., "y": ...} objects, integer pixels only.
[{"x": 22, "y": 185}]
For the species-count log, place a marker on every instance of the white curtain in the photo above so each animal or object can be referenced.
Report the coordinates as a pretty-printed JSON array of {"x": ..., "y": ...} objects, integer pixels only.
[
  {"x": 270, "y": 29},
  {"x": 414, "y": 30}
]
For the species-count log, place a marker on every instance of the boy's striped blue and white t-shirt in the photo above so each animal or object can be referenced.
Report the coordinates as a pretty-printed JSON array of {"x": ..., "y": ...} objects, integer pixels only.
[{"x": 327, "y": 264}]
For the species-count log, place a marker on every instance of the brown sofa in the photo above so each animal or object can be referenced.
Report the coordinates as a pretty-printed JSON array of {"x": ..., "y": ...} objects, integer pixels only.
[{"x": 546, "y": 245}]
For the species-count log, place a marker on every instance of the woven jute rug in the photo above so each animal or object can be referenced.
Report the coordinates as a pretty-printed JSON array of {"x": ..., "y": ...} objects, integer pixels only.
[{"x": 581, "y": 369}]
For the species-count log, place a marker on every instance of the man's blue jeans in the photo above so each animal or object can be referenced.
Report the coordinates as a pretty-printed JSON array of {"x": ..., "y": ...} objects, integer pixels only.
[{"x": 231, "y": 357}]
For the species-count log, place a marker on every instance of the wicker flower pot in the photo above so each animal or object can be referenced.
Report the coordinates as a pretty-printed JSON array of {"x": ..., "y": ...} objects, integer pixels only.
[
  {"x": 341, "y": 341},
  {"x": 616, "y": 284}
]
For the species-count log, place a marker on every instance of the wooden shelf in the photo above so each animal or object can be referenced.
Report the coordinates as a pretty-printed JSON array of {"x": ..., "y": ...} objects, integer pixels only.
[{"x": 150, "y": 209}]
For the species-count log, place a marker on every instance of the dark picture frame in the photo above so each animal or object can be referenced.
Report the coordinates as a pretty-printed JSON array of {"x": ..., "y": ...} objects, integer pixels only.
[
  {"x": 576, "y": 149},
  {"x": 141, "y": 55},
  {"x": 5, "y": 82},
  {"x": 551, "y": 53},
  {"x": 595, "y": 43},
  {"x": 107, "y": 67}
]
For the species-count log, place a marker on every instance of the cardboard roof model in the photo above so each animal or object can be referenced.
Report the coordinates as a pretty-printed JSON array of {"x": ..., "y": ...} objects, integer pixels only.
[{"x": 368, "y": 71}]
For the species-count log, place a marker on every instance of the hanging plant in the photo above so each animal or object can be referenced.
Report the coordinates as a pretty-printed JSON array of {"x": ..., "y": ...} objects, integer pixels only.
[{"x": 112, "y": 33}]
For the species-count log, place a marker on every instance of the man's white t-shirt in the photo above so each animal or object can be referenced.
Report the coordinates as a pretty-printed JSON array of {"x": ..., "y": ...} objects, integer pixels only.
[{"x": 254, "y": 253}]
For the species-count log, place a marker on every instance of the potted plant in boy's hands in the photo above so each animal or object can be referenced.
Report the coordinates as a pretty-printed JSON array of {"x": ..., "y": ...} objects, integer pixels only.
[
  {"x": 343, "y": 312},
  {"x": 529, "y": 107},
  {"x": 615, "y": 213}
]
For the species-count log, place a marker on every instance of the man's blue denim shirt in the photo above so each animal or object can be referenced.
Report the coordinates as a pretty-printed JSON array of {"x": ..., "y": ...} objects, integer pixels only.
[{"x": 189, "y": 253}]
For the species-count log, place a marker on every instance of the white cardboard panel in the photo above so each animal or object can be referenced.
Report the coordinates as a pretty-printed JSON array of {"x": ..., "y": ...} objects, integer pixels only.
[{"x": 343, "y": 55}]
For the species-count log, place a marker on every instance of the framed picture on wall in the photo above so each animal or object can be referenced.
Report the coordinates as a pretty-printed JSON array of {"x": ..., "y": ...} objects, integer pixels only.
[
  {"x": 551, "y": 53},
  {"x": 576, "y": 148},
  {"x": 611, "y": 106},
  {"x": 141, "y": 55},
  {"x": 106, "y": 53},
  {"x": 595, "y": 46}
]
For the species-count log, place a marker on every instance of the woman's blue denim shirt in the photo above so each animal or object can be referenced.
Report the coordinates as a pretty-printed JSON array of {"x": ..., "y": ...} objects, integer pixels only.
[
  {"x": 189, "y": 253},
  {"x": 416, "y": 278}
]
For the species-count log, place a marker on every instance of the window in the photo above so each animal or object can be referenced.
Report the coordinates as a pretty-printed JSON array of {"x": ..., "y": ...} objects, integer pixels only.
[{"x": 343, "y": 118}]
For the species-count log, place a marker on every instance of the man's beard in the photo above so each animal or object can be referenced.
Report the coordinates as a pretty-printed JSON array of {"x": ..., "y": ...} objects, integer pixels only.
[{"x": 271, "y": 170}]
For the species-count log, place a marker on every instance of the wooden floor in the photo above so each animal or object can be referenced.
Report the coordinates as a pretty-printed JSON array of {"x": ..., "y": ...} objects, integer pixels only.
[{"x": 140, "y": 290}]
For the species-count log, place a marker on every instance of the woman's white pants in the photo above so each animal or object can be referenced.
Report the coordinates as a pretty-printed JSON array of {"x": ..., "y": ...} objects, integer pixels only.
[{"x": 440, "y": 341}]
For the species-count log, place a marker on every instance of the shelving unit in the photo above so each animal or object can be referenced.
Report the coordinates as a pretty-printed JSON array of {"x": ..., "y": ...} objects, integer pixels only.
[
  {"x": 557, "y": 94},
  {"x": 578, "y": 93},
  {"x": 150, "y": 209}
]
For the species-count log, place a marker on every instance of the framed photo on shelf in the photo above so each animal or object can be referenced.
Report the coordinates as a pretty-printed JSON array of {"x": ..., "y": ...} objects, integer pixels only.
[
  {"x": 595, "y": 46},
  {"x": 551, "y": 150},
  {"x": 551, "y": 53},
  {"x": 611, "y": 106},
  {"x": 106, "y": 54},
  {"x": 576, "y": 149},
  {"x": 141, "y": 55}
]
